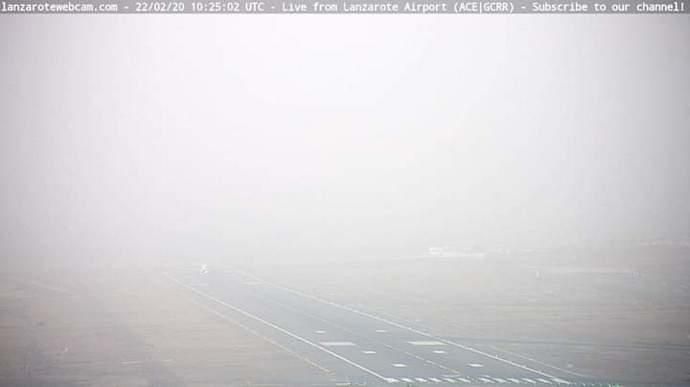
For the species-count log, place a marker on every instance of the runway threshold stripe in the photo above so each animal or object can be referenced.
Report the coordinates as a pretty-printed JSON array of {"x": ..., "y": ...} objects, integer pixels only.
[
  {"x": 280, "y": 329},
  {"x": 398, "y": 325}
]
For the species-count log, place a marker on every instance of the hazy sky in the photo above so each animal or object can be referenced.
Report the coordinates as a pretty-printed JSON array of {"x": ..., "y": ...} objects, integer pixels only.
[{"x": 284, "y": 136}]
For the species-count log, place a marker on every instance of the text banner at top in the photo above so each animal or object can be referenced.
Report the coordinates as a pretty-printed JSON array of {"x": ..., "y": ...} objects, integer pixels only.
[{"x": 347, "y": 7}]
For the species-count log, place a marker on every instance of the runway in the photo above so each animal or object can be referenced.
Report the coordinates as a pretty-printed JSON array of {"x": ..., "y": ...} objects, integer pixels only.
[{"x": 349, "y": 345}]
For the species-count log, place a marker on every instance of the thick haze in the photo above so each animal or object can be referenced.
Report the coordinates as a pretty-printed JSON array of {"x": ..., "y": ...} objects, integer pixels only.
[{"x": 285, "y": 137}]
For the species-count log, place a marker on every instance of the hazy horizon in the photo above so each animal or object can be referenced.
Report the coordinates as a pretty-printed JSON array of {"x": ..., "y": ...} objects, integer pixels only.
[{"x": 188, "y": 137}]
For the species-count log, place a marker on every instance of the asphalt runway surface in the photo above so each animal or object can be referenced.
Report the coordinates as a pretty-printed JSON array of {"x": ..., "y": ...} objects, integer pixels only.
[{"x": 343, "y": 344}]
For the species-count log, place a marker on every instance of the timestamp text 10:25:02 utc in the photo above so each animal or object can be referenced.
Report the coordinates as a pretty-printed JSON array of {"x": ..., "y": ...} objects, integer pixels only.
[{"x": 228, "y": 6}]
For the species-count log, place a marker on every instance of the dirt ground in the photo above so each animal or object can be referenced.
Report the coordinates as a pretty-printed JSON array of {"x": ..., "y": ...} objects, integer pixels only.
[{"x": 114, "y": 328}]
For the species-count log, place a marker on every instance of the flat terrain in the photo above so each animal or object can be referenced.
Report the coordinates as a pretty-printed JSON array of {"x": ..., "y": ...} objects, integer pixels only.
[
  {"x": 116, "y": 327},
  {"x": 389, "y": 322}
]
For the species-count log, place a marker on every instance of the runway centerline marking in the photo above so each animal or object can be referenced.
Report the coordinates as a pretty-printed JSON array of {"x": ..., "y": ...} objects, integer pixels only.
[
  {"x": 337, "y": 343},
  {"x": 398, "y": 325},
  {"x": 426, "y": 343},
  {"x": 354, "y": 333},
  {"x": 278, "y": 328}
]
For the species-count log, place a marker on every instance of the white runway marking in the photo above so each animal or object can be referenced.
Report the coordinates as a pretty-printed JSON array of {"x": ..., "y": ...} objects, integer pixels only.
[
  {"x": 544, "y": 380},
  {"x": 514, "y": 380},
  {"x": 391, "y": 380},
  {"x": 561, "y": 381},
  {"x": 408, "y": 380},
  {"x": 321, "y": 332},
  {"x": 398, "y": 325},
  {"x": 284, "y": 348},
  {"x": 485, "y": 380},
  {"x": 381, "y": 331},
  {"x": 337, "y": 343},
  {"x": 420, "y": 380},
  {"x": 449, "y": 380},
  {"x": 399, "y": 365},
  {"x": 500, "y": 380},
  {"x": 540, "y": 362},
  {"x": 528, "y": 380},
  {"x": 426, "y": 343},
  {"x": 464, "y": 380},
  {"x": 349, "y": 331},
  {"x": 475, "y": 365},
  {"x": 276, "y": 327},
  {"x": 435, "y": 380},
  {"x": 368, "y": 352},
  {"x": 439, "y": 351}
]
